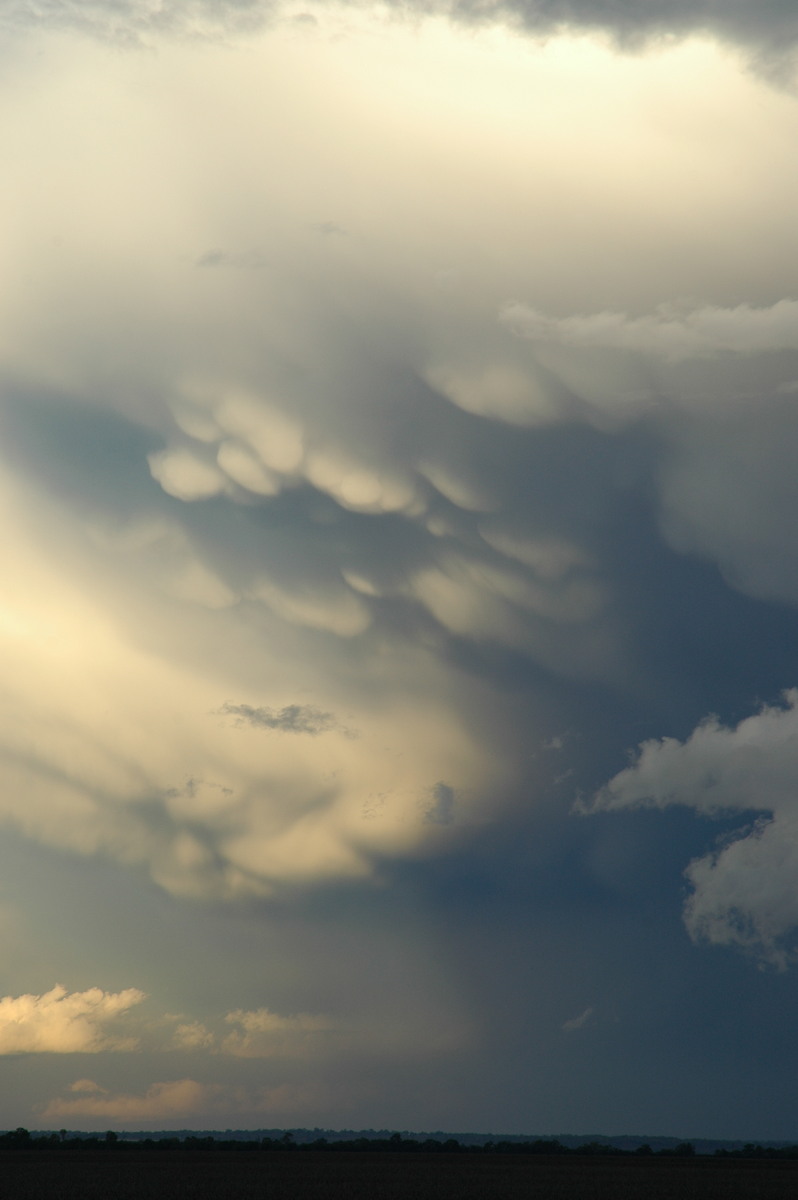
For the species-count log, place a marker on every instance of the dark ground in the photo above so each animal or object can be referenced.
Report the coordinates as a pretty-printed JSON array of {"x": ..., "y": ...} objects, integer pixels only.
[{"x": 134, "y": 1174}]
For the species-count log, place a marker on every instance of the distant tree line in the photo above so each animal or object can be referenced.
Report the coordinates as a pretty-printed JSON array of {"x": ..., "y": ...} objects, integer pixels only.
[{"x": 22, "y": 1139}]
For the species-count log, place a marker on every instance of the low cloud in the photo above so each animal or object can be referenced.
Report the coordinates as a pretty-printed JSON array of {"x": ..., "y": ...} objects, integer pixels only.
[
  {"x": 265, "y": 1034},
  {"x": 62, "y": 1022},
  {"x": 161, "y": 1102},
  {"x": 176, "y": 1101},
  {"x": 744, "y": 892},
  {"x": 191, "y": 1035}
]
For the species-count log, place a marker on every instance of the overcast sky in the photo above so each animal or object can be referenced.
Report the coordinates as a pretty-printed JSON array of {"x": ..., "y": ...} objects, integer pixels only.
[{"x": 399, "y": 518}]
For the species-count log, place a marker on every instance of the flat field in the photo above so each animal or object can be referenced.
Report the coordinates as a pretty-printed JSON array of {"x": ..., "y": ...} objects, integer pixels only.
[{"x": 256, "y": 1175}]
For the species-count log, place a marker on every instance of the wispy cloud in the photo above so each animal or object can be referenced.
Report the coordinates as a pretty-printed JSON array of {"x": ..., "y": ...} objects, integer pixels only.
[
  {"x": 264, "y": 1034},
  {"x": 577, "y": 1022},
  {"x": 160, "y": 1102},
  {"x": 238, "y": 260},
  {"x": 292, "y": 718}
]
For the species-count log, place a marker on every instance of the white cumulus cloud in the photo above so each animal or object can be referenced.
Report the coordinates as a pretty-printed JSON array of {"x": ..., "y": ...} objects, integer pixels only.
[
  {"x": 62, "y": 1022},
  {"x": 745, "y": 892}
]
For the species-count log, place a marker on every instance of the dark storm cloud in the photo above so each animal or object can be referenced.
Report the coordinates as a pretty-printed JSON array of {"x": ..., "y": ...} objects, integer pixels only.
[
  {"x": 441, "y": 807},
  {"x": 344, "y": 487},
  {"x": 767, "y": 28}
]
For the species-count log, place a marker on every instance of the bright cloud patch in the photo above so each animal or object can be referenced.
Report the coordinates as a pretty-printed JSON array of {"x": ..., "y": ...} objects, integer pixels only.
[
  {"x": 61, "y": 1022},
  {"x": 744, "y": 893},
  {"x": 265, "y": 1034},
  {"x": 161, "y": 1102}
]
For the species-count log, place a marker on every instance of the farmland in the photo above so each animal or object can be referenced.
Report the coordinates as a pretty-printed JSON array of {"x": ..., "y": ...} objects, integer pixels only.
[{"x": 146, "y": 1174}]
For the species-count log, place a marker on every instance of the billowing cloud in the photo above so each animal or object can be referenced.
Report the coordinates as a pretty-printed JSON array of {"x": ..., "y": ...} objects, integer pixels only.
[
  {"x": 717, "y": 386},
  {"x": 669, "y": 333},
  {"x": 338, "y": 475},
  {"x": 440, "y": 808},
  {"x": 743, "y": 893},
  {"x": 86, "y": 1085},
  {"x": 191, "y": 1035},
  {"x": 62, "y": 1022},
  {"x": 265, "y": 1034}
]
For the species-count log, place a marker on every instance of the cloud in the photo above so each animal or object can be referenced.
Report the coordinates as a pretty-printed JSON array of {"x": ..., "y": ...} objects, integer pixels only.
[
  {"x": 61, "y": 1022},
  {"x": 184, "y": 475},
  {"x": 161, "y": 1102},
  {"x": 743, "y": 892},
  {"x": 577, "y": 1022},
  {"x": 239, "y": 260},
  {"x": 338, "y": 478},
  {"x": 440, "y": 809},
  {"x": 668, "y": 333},
  {"x": 178, "y": 1101},
  {"x": 715, "y": 384},
  {"x": 139, "y": 21},
  {"x": 768, "y": 28},
  {"x": 292, "y": 718},
  {"x": 265, "y": 1034},
  {"x": 191, "y": 1035}
]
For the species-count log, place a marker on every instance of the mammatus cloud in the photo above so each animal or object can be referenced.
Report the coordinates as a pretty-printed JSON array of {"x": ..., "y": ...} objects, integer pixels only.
[
  {"x": 717, "y": 384},
  {"x": 62, "y": 1022},
  {"x": 743, "y": 893},
  {"x": 292, "y": 718}
]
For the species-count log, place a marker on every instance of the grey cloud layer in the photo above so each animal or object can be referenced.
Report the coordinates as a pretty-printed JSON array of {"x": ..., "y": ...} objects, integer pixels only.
[
  {"x": 293, "y": 718},
  {"x": 768, "y": 27},
  {"x": 345, "y": 485}
]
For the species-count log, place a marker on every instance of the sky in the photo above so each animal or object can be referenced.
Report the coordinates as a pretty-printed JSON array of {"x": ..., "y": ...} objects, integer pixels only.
[{"x": 398, "y": 505}]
